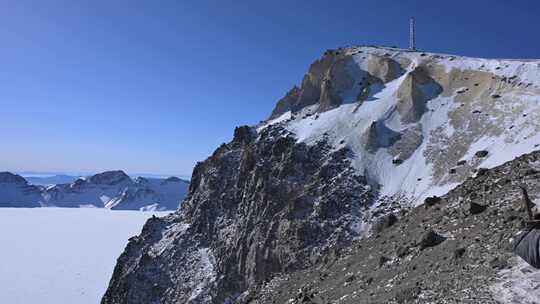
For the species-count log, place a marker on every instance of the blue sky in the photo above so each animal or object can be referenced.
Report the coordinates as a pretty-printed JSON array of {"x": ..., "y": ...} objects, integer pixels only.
[{"x": 154, "y": 86}]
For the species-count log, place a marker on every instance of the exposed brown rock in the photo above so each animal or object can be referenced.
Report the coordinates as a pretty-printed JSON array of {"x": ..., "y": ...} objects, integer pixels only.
[{"x": 412, "y": 96}]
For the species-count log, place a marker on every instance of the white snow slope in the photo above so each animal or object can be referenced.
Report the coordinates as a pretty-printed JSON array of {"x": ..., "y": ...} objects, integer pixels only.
[
  {"x": 61, "y": 255},
  {"x": 416, "y": 132}
]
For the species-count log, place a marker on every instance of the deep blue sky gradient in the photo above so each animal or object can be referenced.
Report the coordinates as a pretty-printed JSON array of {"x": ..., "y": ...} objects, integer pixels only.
[{"x": 154, "y": 86}]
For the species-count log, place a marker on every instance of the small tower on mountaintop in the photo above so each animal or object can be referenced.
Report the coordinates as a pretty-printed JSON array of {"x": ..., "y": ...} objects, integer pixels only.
[{"x": 412, "y": 35}]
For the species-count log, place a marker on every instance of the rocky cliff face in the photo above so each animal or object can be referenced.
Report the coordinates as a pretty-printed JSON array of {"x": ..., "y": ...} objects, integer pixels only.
[
  {"x": 258, "y": 206},
  {"x": 369, "y": 132}
]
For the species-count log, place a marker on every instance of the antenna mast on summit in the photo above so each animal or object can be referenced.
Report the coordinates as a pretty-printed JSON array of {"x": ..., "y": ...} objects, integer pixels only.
[{"x": 412, "y": 35}]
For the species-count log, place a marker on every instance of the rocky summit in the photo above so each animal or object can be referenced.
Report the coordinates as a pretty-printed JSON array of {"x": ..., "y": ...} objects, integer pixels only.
[{"x": 387, "y": 176}]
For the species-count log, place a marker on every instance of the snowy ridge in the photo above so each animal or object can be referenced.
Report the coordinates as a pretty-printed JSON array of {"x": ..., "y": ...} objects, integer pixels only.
[{"x": 415, "y": 126}]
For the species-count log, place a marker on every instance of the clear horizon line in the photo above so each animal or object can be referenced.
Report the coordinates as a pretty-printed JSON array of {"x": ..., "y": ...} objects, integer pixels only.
[{"x": 87, "y": 173}]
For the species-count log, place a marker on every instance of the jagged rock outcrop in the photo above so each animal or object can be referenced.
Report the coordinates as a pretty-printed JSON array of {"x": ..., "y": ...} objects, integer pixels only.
[
  {"x": 259, "y": 205},
  {"x": 370, "y": 133},
  {"x": 286, "y": 103},
  {"x": 378, "y": 135},
  {"x": 413, "y": 94},
  {"x": 409, "y": 141},
  {"x": 334, "y": 73}
]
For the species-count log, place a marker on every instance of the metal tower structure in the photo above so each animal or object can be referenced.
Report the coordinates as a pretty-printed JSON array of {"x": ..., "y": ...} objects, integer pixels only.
[{"x": 412, "y": 35}]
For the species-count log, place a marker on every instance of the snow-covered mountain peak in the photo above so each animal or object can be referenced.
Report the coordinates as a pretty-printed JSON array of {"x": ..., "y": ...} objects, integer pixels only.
[
  {"x": 116, "y": 190},
  {"x": 110, "y": 178},
  {"x": 11, "y": 178},
  {"x": 173, "y": 179},
  {"x": 16, "y": 192},
  {"x": 417, "y": 123}
]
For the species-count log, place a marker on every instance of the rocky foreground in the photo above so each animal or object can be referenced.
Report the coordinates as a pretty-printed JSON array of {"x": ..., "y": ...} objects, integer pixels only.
[
  {"x": 454, "y": 249},
  {"x": 316, "y": 204}
]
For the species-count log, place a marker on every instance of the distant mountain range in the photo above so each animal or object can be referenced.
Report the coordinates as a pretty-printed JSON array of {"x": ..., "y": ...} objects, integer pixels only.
[
  {"x": 51, "y": 180},
  {"x": 112, "y": 190}
]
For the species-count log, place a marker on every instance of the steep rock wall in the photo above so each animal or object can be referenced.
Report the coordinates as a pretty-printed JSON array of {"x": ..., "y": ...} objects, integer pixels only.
[{"x": 260, "y": 205}]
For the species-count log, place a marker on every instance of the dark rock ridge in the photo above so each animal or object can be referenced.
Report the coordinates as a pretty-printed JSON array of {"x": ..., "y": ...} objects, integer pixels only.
[{"x": 259, "y": 206}]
